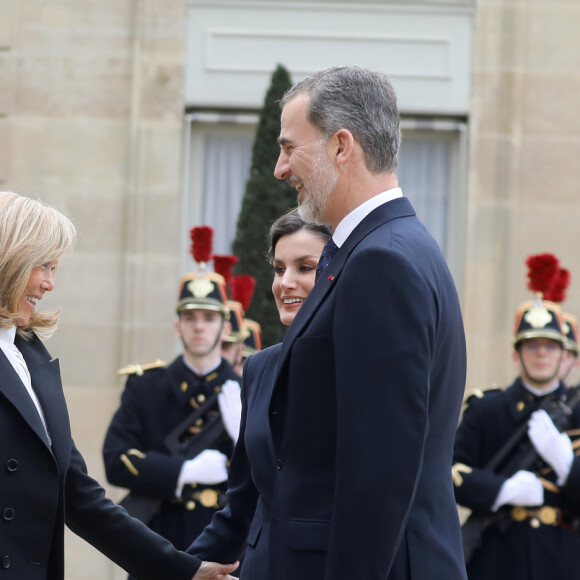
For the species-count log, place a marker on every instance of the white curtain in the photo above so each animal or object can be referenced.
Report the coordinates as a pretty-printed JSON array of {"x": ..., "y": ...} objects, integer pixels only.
[
  {"x": 425, "y": 177},
  {"x": 226, "y": 170}
]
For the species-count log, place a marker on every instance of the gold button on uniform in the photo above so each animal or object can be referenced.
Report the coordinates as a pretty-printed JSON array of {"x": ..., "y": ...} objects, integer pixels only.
[
  {"x": 190, "y": 505},
  {"x": 519, "y": 513},
  {"x": 548, "y": 515},
  {"x": 208, "y": 498}
]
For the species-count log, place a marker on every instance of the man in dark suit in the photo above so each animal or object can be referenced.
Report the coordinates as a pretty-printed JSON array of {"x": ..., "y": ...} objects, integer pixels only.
[{"x": 371, "y": 374}]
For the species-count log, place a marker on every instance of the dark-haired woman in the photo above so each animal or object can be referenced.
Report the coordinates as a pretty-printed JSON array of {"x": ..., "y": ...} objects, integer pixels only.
[{"x": 244, "y": 524}]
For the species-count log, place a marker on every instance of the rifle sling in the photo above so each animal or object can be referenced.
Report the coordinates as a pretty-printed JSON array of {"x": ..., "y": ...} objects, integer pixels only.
[{"x": 173, "y": 438}]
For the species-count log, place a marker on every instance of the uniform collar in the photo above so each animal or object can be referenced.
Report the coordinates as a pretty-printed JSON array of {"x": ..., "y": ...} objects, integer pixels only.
[
  {"x": 187, "y": 383},
  {"x": 522, "y": 403},
  {"x": 540, "y": 393},
  {"x": 196, "y": 372}
]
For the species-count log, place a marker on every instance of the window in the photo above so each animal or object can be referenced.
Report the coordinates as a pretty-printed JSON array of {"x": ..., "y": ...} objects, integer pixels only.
[
  {"x": 431, "y": 173},
  {"x": 218, "y": 153}
]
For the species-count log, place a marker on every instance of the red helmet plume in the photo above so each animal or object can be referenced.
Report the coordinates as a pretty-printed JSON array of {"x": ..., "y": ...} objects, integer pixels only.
[
  {"x": 243, "y": 289},
  {"x": 557, "y": 292},
  {"x": 224, "y": 265},
  {"x": 201, "y": 243},
  {"x": 542, "y": 271}
]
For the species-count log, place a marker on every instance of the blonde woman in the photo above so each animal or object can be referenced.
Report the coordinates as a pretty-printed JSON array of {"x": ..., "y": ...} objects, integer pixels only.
[{"x": 44, "y": 478}]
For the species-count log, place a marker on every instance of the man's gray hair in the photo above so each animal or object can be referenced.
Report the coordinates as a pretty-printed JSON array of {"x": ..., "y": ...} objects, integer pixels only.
[{"x": 360, "y": 100}]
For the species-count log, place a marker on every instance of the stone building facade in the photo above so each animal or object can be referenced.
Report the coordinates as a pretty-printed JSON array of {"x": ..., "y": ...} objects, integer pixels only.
[{"x": 92, "y": 110}]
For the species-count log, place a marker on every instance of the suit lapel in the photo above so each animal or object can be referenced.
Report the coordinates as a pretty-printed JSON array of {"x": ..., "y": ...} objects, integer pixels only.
[
  {"x": 46, "y": 382},
  {"x": 13, "y": 389},
  {"x": 270, "y": 371},
  {"x": 397, "y": 208}
]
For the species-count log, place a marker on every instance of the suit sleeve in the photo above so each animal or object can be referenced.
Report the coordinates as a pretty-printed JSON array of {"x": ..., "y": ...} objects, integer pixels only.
[
  {"x": 123, "y": 539},
  {"x": 384, "y": 328},
  {"x": 129, "y": 461},
  {"x": 224, "y": 539}
]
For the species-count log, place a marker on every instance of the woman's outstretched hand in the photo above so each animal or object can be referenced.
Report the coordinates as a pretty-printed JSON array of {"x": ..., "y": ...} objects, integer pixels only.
[{"x": 210, "y": 570}]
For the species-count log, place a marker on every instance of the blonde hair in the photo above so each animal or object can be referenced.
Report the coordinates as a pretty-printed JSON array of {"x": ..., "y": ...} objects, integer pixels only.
[{"x": 31, "y": 234}]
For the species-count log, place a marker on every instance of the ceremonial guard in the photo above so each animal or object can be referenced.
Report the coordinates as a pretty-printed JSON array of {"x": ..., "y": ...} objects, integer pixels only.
[
  {"x": 170, "y": 440},
  {"x": 253, "y": 341},
  {"x": 233, "y": 345},
  {"x": 241, "y": 289},
  {"x": 516, "y": 462},
  {"x": 571, "y": 332}
]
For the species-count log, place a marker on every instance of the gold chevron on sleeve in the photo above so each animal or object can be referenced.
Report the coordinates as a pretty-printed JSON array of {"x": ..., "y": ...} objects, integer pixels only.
[
  {"x": 127, "y": 463},
  {"x": 457, "y": 472}
]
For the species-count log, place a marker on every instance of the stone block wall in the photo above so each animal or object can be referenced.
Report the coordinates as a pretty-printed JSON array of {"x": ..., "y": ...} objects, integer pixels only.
[
  {"x": 523, "y": 193},
  {"x": 91, "y": 113},
  {"x": 91, "y": 118}
]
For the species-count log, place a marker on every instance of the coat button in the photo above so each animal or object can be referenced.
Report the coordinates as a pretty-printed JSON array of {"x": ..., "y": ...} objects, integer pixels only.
[
  {"x": 8, "y": 514},
  {"x": 12, "y": 465},
  {"x": 5, "y": 562},
  {"x": 279, "y": 464}
]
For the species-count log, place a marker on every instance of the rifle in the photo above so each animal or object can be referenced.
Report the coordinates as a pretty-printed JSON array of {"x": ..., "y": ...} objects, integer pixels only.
[
  {"x": 476, "y": 524},
  {"x": 180, "y": 442}
]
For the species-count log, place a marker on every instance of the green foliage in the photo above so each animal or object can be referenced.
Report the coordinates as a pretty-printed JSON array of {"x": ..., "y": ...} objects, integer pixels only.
[{"x": 265, "y": 200}]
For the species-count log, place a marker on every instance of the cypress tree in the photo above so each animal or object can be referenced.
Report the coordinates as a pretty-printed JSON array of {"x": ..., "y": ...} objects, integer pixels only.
[{"x": 265, "y": 199}]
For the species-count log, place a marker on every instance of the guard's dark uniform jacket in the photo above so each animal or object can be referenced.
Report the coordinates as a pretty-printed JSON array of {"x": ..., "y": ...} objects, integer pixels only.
[
  {"x": 153, "y": 403},
  {"x": 537, "y": 543}
]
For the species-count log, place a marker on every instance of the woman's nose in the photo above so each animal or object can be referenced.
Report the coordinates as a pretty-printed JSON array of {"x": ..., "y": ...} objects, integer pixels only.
[
  {"x": 288, "y": 280},
  {"x": 48, "y": 282}
]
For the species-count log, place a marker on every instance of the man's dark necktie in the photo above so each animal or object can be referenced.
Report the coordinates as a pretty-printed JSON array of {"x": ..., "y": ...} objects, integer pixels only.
[{"x": 330, "y": 248}]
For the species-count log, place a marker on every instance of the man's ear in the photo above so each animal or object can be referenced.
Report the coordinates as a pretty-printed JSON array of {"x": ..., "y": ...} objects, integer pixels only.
[
  {"x": 344, "y": 146},
  {"x": 177, "y": 328},
  {"x": 575, "y": 364},
  {"x": 516, "y": 358}
]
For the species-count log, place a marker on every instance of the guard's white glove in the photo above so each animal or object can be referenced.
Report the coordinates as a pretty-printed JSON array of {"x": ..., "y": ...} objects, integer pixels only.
[
  {"x": 555, "y": 448},
  {"x": 207, "y": 468},
  {"x": 522, "y": 488},
  {"x": 230, "y": 403}
]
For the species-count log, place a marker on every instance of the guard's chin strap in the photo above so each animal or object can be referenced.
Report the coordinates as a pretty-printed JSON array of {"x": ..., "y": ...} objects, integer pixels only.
[
  {"x": 216, "y": 342},
  {"x": 218, "y": 339},
  {"x": 530, "y": 378},
  {"x": 570, "y": 365}
]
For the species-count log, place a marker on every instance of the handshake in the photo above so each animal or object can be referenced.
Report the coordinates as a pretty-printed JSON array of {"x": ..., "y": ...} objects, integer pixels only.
[{"x": 209, "y": 570}]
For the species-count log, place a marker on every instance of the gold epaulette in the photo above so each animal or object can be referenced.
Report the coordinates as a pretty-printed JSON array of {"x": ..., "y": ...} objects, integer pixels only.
[
  {"x": 140, "y": 369},
  {"x": 479, "y": 393},
  {"x": 457, "y": 473}
]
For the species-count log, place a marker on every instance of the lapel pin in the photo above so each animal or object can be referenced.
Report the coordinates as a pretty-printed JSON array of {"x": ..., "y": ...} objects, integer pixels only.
[{"x": 331, "y": 278}]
